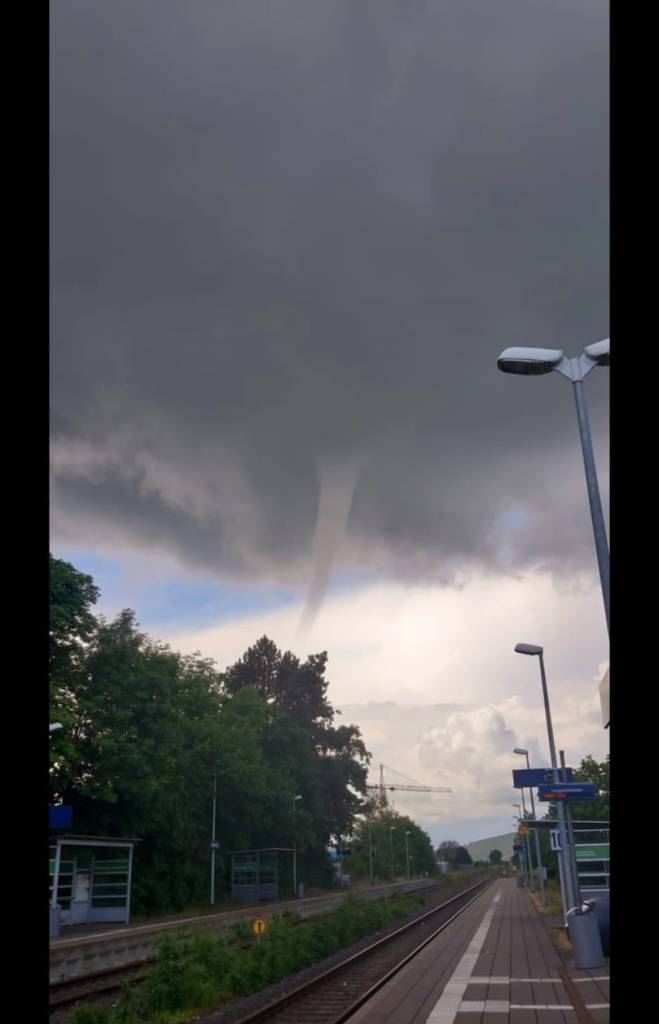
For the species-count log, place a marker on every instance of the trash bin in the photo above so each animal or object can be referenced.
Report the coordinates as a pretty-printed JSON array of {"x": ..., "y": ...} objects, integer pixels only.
[
  {"x": 584, "y": 934},
  {"x": 300, "y": 890},
  {"x": 54, "y": 921},
  {"x": 601, "y": 910}
]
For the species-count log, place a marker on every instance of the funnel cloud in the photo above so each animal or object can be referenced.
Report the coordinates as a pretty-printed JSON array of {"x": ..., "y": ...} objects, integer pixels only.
[{"x": 337, "y": 482}]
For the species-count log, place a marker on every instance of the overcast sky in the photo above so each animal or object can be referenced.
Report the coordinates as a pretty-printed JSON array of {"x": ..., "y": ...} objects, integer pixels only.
[{"x": 289, "y": 240}]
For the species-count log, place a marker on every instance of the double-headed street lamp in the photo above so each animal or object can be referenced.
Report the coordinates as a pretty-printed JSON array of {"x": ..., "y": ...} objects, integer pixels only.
[
  {"x": 525, "y": 753},
  {"x": 535, "y": 361}
]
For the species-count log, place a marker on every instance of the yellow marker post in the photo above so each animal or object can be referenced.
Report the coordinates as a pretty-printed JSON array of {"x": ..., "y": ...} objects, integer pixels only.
[{"x": 259, "y": 927}]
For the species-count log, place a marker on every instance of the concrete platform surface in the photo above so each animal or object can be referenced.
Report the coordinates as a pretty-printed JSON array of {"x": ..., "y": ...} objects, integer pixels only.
[{"x": 495, "y": 964}]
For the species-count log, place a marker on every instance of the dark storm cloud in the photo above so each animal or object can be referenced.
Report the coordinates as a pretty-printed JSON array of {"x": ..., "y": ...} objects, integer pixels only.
[{"x": 285, "y": 232}]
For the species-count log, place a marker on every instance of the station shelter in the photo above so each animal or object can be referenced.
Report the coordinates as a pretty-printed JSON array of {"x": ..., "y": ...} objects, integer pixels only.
[
  {"x": 90, "y": 878},
  {"x": 256, "y": 874}
]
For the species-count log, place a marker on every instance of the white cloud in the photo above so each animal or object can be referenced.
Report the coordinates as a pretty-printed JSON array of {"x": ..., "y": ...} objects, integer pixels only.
[{"x": 430, "y": 676}]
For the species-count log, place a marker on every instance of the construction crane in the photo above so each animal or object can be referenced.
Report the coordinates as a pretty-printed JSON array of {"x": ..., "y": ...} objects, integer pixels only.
[{"x": 379, "y": 789}]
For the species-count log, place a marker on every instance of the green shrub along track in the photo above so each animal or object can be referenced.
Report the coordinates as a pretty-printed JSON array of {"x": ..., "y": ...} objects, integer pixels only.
[{"x": 197, "y": 971}]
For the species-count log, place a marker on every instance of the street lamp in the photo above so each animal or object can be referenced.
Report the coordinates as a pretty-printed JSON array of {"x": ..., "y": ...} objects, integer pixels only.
[
  {"x": 295, "y": 799},
  {"x": 392, "y": 828},
  {"x": 525, "y": 753},
  {"x": 535, "y": 650},
  {"x": 407, "y": 854},
  {"x": 535, "y": 361}
]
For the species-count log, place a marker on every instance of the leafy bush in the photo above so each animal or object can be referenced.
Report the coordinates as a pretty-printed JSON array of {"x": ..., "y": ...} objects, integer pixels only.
[{"x": 197, "y": 972}]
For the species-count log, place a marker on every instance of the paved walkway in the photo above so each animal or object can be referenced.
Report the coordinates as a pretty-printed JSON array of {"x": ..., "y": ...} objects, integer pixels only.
[{"x": 495, "y": 964}]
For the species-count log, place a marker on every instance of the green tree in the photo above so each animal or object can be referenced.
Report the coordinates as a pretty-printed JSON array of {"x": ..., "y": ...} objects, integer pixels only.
[
  {"x": 326, "y": 764},
  {"x": 456, "y": 855},
  {"x": 447, "y": 851},
  {"x": 373, "y": 832},
  {"x": 149, "y": 730},
  {"x": 71, "y": 624},
  {"x": 496, "y": 856},
  {"x": 599, "y": 809}
]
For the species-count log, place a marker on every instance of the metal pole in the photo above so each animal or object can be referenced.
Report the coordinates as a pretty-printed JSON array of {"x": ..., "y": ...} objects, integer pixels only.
[
  {"x": 370, "y": 851},
  {"x": 212, "y": 900},
  {"x": 294, "y": 854},
  {"x": 596, "y": 514},
  {"x": 571, "y": 851},
  {"x": 56, "y": 870},
  {"x": 129, "y": 882},
  {"x": 407, "y": 856},
  {"x": 527, "y": 844},
  {"x": 528, "y": 858},
  {"x": 537, "y": 842},
  {"x": 559, "y": 858},
  {"x": 391, "y": 854},
  {"x": 562, "y": 829}
]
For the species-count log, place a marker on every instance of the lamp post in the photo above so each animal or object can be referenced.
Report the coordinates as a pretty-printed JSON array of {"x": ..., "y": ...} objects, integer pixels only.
[
  {"x": 535, "y": 361},
  {"x": 525, "y": 753},
  {"x": 407, "y": 854},
  {"x": 213, "y": 841},
  {"x": 295, "y": 799},
  {"x": 392, "y": 828},
  {"x": 570, "y": 895},
  {"x": 370, "y": 851}
]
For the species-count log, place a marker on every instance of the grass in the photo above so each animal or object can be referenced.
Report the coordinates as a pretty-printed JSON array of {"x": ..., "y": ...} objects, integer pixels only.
[
  {"x": 198, "y": 972},
  {"x": 553, "y": 896}
]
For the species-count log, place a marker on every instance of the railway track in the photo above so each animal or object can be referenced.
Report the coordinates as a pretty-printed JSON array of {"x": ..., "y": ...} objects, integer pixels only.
[
  {"x": 63, "y": 994},
  {"x": 328, "y": 998},
  {"x": 333, "y": 996}
]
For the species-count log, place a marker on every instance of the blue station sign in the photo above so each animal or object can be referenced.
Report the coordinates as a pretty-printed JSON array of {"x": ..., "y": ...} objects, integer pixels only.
[
  {"x": 60, "y": 816},
  {"x": 567, "y": 791},
  {"x": 529, "y": 778}
]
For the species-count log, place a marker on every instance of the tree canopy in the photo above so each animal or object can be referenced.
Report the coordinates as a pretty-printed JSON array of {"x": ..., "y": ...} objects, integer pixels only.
[
  {"x": 147, "y": 730},
  {"x": 383, "y": 833},
  {"x": 452, "y": 852}
]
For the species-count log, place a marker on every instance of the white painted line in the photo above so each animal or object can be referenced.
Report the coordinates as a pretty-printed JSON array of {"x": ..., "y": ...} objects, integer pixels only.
[
  {"x": 447, "y": 1006},
  {"x": 541, "y": 1006},
  {"x": 500, "y": 980},
  {"x": 503, "y": 1006},
  {"x": 484, "y": 1006}
]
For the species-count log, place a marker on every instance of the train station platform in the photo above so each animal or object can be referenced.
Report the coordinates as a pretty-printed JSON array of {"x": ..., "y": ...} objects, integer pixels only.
[{"x": 495, "y": 963}]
